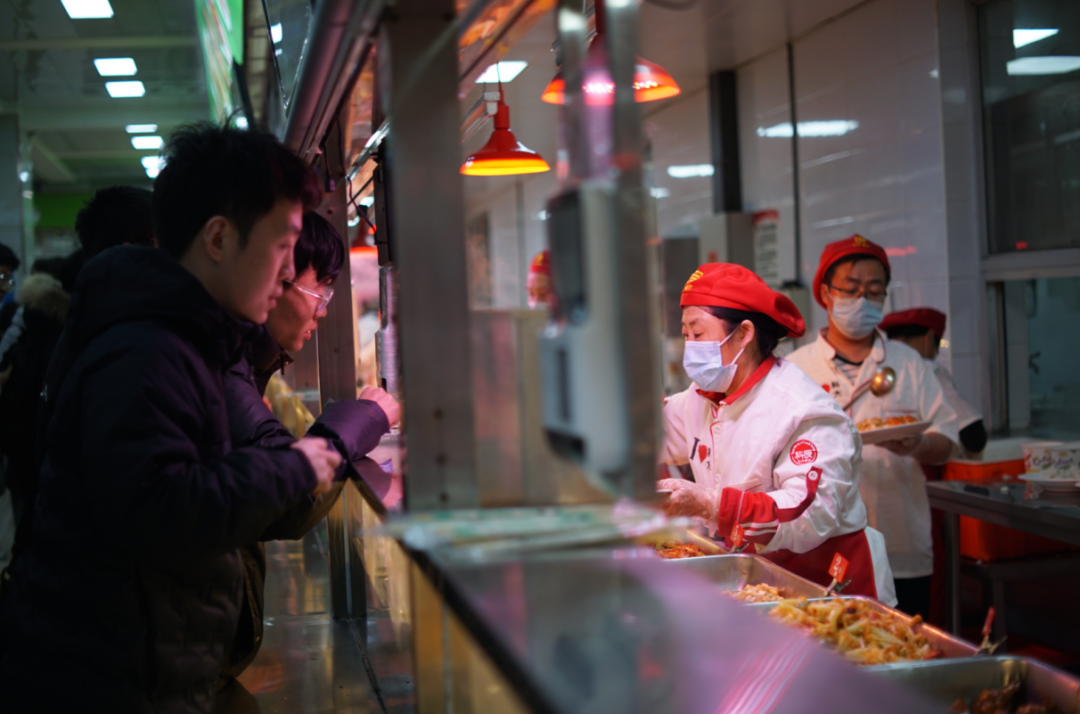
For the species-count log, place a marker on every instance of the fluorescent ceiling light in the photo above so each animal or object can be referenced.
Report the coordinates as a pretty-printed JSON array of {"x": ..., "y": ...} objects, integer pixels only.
[
  {"x": 659, "y": 192},
  {"x": 87, "y": 9},
  {"x": 241, "y": 122},
  {"x": 692, "y": 171},
  {"x": 1057, "y": 64},
  {"x": 125, "y": 89},
  {"x": 147, "y": 142},
  {"x": 153, "y": 165},
  {"x": 116, "y": 67},
  {"x": 834, "y": 127},
  {"x": 24, "y": 176},
  {"x": 275, "y": 33},
  {"x": 1026, "y": 37},
  {"x": 504, "y": 71},
  {"x": 141, "y": 128}
]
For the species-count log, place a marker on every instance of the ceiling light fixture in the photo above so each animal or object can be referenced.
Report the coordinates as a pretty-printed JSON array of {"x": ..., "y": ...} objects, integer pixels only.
[
  {"x": 140, "y": 128},
  {"x": 116, "y": 67},
  {"x": 1057, "y": 64},
  {"x": 88, "y": 9},
  {"x": 503, "y": 154},
  {"x": 276, "y": 33},
  {"x": 692, "y": 171},
  {"x": 125, "y": 89},
  {"x": 832, "y": 127},
  {"x": 147, "y": 142},
  {"x": 651, "y": 81},
  {"x": 502, "y": 71},
  {"x": 1022, "y": 38},
  {"x": 153, "y": 165}
]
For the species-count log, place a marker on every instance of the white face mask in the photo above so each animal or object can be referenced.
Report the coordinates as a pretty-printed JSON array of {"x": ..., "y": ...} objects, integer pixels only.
[
  {"x": 856, "y": 317},
  {"x": 704, "y": 364}
]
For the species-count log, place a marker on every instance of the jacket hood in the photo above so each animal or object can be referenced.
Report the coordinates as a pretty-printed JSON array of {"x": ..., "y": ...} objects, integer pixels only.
[
  {"x": 44, "y": 294},
  {"x": 133, "y": 284}
]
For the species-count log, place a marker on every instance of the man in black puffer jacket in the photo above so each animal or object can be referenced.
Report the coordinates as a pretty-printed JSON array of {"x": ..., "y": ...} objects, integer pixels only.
[
  {"x": 354, "y": 427},
  {"x": 126, "y": 597}
]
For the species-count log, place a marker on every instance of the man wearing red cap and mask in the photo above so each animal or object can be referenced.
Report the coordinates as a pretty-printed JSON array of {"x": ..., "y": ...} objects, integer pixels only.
[
  {"x": 850, "y": 283},
  {"x": 922, "y": 329},
  {"x": 774, "y": 459}
]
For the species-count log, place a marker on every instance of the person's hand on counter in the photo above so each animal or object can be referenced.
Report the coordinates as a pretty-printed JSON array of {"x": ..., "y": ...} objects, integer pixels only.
[
  {"x": 387, "y": 403},
  {"x": 324, "y": 460},
  {"x": 932, "y": 449},
  {"x": 688, "y": 499}
]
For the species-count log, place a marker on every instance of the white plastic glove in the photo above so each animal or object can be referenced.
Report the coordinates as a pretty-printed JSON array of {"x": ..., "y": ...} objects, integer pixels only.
[{"x": 689, "y": 499}]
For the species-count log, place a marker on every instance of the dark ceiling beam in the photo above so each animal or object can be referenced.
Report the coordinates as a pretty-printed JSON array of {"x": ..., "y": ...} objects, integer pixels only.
[{"x": 149, "y": 42}]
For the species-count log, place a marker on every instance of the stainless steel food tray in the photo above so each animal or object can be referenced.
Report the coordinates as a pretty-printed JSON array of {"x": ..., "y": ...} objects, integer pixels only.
[
  {"x": 949, "y": 645},
  {"x": 949, "y": 680},
  {"x": 732, "y": 572}
]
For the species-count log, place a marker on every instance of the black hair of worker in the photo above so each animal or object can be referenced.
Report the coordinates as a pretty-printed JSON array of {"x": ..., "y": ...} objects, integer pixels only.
[
  {"x": 767, "y": 331},
  {"x": 900, "y": 332},
  {"x": 8, "y": 258},
  {"x": 857, "y": 258},
  {"x": 118, "y": 215},
  {"x": 319, "y": 246},
  {"x": 215, "y": 170}
]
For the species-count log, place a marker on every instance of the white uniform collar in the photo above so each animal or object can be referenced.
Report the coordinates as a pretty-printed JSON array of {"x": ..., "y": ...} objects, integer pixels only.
[{"x": 877, "y": 352}]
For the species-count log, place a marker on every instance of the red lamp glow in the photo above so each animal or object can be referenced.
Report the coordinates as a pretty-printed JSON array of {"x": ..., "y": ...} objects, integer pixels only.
[{"x": 503, "y": 154}]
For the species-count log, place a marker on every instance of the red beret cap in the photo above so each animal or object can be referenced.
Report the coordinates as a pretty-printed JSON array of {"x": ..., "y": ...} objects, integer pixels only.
[
  {"x": 736, "y": 287},
  {"x": 855, "y": 245},
  {"x": 541, "y": 263},
  {"x": 922, "y": 316}
]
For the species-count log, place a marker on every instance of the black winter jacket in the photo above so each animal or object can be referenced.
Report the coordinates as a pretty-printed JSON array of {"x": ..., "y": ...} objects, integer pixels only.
[
  {"x": 127, "y": 595},
  {"x": 353, "y": 427}
]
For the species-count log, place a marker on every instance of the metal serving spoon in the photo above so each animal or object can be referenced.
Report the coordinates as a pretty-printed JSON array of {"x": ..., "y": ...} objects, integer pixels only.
[{"x": 879, "y": 385}]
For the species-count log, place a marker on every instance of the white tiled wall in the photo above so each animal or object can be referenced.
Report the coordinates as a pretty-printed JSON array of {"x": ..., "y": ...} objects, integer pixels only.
[{"x": 678, "y": 134}]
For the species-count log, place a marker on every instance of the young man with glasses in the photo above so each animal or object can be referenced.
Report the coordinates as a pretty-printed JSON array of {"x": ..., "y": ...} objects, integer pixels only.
[
  {"x": 353, "y": 427},
  {"x": 851, "y": 283}
]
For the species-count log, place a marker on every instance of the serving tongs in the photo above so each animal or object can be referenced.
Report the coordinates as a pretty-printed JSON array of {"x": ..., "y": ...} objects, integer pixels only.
[{"x": 986, "y": 648}]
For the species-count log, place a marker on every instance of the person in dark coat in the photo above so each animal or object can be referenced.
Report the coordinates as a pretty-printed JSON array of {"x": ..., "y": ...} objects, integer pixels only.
[
  {"x": 353, "y": 427},
  {"x": 126, "y": 597}
]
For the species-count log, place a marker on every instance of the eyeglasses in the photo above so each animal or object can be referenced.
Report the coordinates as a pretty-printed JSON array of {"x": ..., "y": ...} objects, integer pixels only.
[
  {"x": 875, "y": 293},
  {"x": 324, "y": 297},
  {"x": 7, "y": 282}
]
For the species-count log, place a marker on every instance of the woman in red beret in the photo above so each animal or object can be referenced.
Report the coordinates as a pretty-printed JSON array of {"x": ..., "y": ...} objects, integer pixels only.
[{"x": 775, "y": 461}]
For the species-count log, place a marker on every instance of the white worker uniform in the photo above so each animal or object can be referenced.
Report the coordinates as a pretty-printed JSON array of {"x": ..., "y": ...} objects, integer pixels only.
[
  {"x": 966, "y": 415},
  {"x": 767, "y": 438},
  {"x": 892, "y": 487}
]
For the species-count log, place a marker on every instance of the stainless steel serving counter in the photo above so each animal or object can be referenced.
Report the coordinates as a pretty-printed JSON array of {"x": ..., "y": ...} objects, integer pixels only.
[
  {"x": 1005, "y": 504},
  {"x": 587, "y": 633}
]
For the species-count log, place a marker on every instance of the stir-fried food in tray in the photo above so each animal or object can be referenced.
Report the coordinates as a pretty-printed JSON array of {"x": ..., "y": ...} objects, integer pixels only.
[
  {"x": 1001, "y": 701},
  {"x": 757, "y": 593},
  {"x": 878, "y": 423},
  {"x": 678, "y": 550},
  {"x": 857, "y": 630}
]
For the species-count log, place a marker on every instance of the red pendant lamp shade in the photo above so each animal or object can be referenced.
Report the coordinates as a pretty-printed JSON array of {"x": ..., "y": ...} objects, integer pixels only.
[
  {"x": 503, "y": 154},
  {"x": 651, "y": 81}
]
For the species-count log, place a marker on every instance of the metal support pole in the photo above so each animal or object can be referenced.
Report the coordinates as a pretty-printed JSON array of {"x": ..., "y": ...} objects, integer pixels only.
[
  {"x": 428, "y": 220},
  {"x": 951, "y": 538},
  {"x": 337, "y": 365}
]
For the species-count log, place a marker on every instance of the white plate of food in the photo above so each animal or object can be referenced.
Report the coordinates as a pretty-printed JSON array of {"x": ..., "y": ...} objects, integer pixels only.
[
  {"x": 1053, "y": 484},
  {"x": 875, "y": 431}
]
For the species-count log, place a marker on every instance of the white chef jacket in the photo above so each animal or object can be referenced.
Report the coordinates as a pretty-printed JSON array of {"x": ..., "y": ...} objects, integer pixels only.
[
  {"x": 966, "y": 415},
  {"x": 892, "y": 487},
  {"x": 766, "y": 440}
]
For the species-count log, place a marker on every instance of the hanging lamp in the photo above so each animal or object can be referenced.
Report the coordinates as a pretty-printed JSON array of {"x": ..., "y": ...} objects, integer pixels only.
[
  {"x": 651, "y": 81},
  {"x": 503, "y": 154}
]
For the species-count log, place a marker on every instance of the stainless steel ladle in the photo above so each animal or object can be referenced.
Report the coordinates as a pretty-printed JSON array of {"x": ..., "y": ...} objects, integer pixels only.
[{"x": 879, "y": 385}]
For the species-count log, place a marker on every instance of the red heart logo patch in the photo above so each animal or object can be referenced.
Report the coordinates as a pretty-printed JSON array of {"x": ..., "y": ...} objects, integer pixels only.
[{"x": 702, "y": 452}]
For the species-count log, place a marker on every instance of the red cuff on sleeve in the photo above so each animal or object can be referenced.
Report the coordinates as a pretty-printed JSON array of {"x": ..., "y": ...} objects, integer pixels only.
[{"x": 758, "y": 512}]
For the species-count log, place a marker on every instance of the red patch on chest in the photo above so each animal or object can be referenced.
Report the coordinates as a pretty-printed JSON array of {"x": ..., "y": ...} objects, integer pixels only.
[
  {"x": 702, "y": 452},
  {"x": 803, "y": 452}
]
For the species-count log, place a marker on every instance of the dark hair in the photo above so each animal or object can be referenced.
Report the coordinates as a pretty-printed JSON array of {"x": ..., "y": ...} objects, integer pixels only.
[
  {"x": 222, "y": 171},
  {"x": 8, "y": 257},
  {"x": 319, "y": 247},
  {"x": 857, "y": 258},
  {"x": 70, "y": 272},
  {"x": 49, "y": 266},
  {"x": 902, "y": 332},
  {"x": 115, "y": 216},
  {"x": 767, "y": 331}
]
